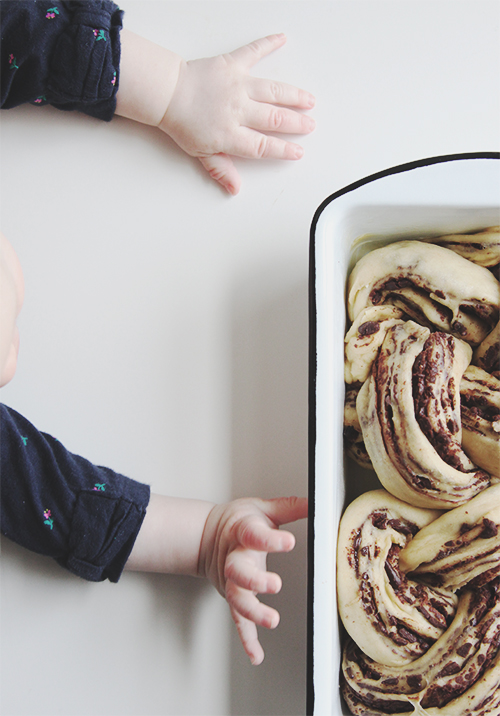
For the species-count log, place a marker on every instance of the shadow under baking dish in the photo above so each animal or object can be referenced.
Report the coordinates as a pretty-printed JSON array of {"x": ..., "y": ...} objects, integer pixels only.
[{"x": 430, "y": 197}]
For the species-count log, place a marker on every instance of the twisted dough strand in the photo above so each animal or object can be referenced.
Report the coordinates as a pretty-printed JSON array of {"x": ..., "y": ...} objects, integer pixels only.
[
  {"x": 462, "y": 547},
  {"x": 414, "y": 440},
  {"x": 393, "y": 619},
  {"x": 480, "y": 247},
  {"x": 433, "y": 285},
  {"x": 458, "y": 676}
]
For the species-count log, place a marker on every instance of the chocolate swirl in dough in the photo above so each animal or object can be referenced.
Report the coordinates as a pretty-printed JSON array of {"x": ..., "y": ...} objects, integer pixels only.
[
  {"x": 480, "y": 247},
  {"x": 458, "y": 676},
  {"x": 364, "y": 339},
  {"x": 462, "y": 547},
  {"x": 353, "y": 438},
  {"x": 392, "y": 618},
  {"x": 487, "y": 354},
  {"x": 431, "y": 284},
  {"x": 480, "y": 408},
  {"x": 409, "y": 413}
]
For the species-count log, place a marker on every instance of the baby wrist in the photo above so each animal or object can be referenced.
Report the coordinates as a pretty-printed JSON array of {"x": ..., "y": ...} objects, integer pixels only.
[{"x": 148, "y": 78}]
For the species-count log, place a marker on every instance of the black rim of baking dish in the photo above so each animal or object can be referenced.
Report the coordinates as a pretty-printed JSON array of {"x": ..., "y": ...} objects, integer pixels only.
[{"x": 313, "y": 370}]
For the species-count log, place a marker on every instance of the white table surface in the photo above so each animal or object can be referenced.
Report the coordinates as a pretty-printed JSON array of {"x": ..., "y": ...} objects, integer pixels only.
[{"x": 165, "y": 327}]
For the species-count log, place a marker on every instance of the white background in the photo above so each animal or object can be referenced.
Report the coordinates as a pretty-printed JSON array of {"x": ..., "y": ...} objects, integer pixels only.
[{"x": 165, "y": 327}]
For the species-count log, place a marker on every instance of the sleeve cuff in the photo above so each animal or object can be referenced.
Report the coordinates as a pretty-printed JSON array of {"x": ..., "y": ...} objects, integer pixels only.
[
  {"x": 84, "y": 69},
  {"x": 94, "y": 554}
]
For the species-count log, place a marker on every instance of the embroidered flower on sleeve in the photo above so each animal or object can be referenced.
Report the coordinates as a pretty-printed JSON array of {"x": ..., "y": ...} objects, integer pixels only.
[
  {"x": 12, "y": 62},
  {"x": 48, "y": 519},
  {"x": 99, "y": 35},
  {"x": 113, "y": 81},
  {"x": 51, "y": 13},
  {"x": 40, "y": 100},
  {"x": 100, "y": 487}
]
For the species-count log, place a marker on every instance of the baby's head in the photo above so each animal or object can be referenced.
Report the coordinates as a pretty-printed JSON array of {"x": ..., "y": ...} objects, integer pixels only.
[{"x": 11, "y": 301}]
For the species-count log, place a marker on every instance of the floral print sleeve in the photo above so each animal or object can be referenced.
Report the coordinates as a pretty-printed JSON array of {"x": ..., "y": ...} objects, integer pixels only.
[
  {"x": 65, "y": 54},
  {"x": 53, "y": 502}
]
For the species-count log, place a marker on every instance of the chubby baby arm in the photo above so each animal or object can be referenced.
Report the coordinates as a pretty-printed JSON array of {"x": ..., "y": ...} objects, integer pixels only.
[
  {"x": 228, "y": 544},
  {"x": 213, "y": 108}
]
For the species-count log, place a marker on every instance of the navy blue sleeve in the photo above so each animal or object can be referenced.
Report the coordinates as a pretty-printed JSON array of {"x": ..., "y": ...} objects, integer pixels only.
[
  {"x": 59, "y": 504},
  {"x": 66, "y": 54}
]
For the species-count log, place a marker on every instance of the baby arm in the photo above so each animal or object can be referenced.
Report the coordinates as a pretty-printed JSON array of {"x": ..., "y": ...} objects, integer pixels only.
[
  {"x": 212, "y": 108},
  {"x": 226, "y": 543}
]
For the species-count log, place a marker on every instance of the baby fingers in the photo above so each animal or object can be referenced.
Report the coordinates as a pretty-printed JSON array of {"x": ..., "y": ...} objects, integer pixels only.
[
  {"x": 254, "y": 145},
  {"x": 241, "y": 569},
  {"x": 254, "y": 533},
  {"x": 279, "y": 93},
  {"x": 248, "y": 55},
  {"x": 267, "y": 118},
  {"x": 248, "y": 606},
  {"x": 247, "y": 632}
]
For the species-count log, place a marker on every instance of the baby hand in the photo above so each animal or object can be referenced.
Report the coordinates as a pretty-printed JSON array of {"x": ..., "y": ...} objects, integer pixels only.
[
  {"x": 218, "y": 110},
  {"x": 237, "y": 538}
]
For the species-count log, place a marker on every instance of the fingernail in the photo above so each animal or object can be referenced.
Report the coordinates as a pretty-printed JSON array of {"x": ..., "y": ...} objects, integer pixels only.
[
  {"x": 311, "y": 101},
  {"x": 299, "y": 152}
]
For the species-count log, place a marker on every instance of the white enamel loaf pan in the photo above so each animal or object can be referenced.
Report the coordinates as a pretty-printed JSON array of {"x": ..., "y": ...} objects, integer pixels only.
[{"x": 440, "y": 195}]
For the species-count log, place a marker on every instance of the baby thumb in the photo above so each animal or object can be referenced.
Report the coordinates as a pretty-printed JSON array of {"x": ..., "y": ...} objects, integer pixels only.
[{"x": 221, "y": 168}]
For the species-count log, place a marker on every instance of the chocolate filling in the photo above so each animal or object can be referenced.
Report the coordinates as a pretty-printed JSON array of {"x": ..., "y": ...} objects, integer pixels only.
[
  {"x": 478, "y": 406},
  {"x": 432, "y": 408},
  {"x": 490, "y": 529},
  {"x": 490, "y": 361},
  {"x": 483, "y": 311},
  {"x": 368, "y": 328},
  {"x": 436, "y": 611},
  {"x": 389, "y": 290},
  {"x": 404, "y": 526},
  {"x": 379, "y": 520},
  {"x": 368, "y": 700},
  {"x": 468, "y": 534},
  {"x": 438, "y": 349}
]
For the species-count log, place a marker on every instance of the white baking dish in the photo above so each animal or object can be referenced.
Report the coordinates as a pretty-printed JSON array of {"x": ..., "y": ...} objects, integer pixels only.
[{"x": 440, "y": 195}]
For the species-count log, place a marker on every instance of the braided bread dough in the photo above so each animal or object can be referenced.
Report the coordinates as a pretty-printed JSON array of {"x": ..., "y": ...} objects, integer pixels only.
[
  {"x": 480, "y": 247},
  {"x": 392, "y": 619},
  {"x": 409, "y": 413},
  {"x": 353, "y": 438},
  {"x": 480, "y": 409},
  {"x": 430, "y": 427},
  {"x": 433, "y": 285},
  {"x": 487, "y": 354},
  {"x": 458, "y": 676},
  {"x": 462, "y": 547},
  {"x": 364, "y": 339}
]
